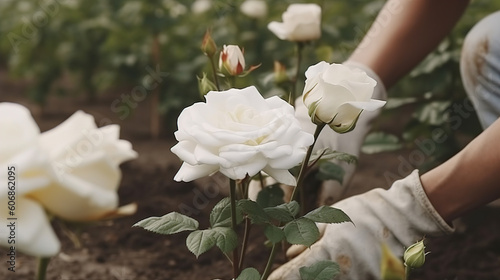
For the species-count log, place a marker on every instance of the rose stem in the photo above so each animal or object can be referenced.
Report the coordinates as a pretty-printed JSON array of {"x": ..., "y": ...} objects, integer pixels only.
[
  {"x": 232, "y": 188},
  {"x": 269, "y": 264},
  {"x": 305, "y": 167},
  {"x": 300, "y": 46},
  {"x": 214, "y": 72},
  {"x": 41, "y": 272},
  {"x": 248, "y": 226}
]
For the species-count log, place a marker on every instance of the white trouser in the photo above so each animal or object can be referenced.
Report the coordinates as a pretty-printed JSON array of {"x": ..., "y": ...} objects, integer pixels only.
[{"x": 480, "y": 68}]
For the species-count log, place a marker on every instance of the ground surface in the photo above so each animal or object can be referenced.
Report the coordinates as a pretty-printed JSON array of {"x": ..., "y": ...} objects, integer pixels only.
[{"x": 114, "y": 250}]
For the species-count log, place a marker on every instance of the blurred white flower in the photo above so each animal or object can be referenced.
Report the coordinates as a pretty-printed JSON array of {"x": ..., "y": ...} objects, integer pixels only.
[
  {"x": 85, "y": 168},
  {"x": 239, "y": 133},
  {"x": 254, "y": 8},
  {"x": 201, "y": 6},
  {"x": 21, "y": 155},
  {"x": 336, "y": 94},
  {"x": 301, "y": 22}
]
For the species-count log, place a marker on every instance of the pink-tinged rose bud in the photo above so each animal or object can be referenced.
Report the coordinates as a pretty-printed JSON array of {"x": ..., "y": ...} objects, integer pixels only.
[
  {"x": 231, "y": 60},
  {"x": 208, "y": 45}
]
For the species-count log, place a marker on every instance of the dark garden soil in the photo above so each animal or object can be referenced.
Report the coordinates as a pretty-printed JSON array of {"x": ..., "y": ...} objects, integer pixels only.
[{"x": 114, "y": 250}]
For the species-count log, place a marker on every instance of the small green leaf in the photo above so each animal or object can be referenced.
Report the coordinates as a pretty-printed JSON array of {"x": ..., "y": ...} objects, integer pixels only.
[
  {"x": 270, "y": 196},
  {"x": 330, "y": 171},
  {"x": 329, "y": 154},
  {"x": 380, "y": 142},
  {"x": 249, "y": 273},
  {"x": 170, "y": 223},
  {"x": 328, "y": 214},
  {"x": 322, "y": 270},
  {"x": 274, "y": 233},
  {"x": 285, "y": 212},
  {"x": 227, "y": 239},
  {"x": 254, "y": 211},
  {"x": 221, "y": 213},
  {"x": 200, "y": 241},
  {"x": 301, "y": 231}
]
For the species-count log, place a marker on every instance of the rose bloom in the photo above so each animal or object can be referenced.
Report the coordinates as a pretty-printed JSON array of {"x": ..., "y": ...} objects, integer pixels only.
[
  {"x": 232, "y": 60},
  {"x": 301, "y": 22},
  {"x": 85, "y": 169},
  {"x": 254, "y": 8},
  {"x": 239, "y": 133},
  {"x": 21, "y": 155},
  {"x": 336, "y": 94}
]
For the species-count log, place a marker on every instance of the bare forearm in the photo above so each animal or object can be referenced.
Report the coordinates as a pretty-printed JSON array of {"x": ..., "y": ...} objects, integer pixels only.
[
  {"x": 469, "y": 179},
  {"x": 404, "y": 32}
]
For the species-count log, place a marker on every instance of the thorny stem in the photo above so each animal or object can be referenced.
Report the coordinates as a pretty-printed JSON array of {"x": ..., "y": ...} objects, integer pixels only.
[
  {"x": 232, "y": 188},
  {"x": 305, "y": 167},
  {"x": 41, "y": 272},
  {"x": 269, "y": 264},
  {"x": 300, "y": 46}
]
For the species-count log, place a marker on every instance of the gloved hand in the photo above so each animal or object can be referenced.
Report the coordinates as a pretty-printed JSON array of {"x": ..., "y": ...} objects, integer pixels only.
[
  {"x": 397, "y": 217},
  {"x": 332, "y": 191}
]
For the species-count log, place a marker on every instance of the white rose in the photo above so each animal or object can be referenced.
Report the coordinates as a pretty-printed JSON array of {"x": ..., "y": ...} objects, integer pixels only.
[
  {"x": 85, "y": 168},
  {"x": 20, "y": 153},
  {"x": 201, "y": 6},
  {"x": 232, "y": 60},
  {"x": 301, "y": 22},
  {"x": 336, "y": 94},
  {"x": 254, "y": 8},
  {"x": 239, "y": 133}
]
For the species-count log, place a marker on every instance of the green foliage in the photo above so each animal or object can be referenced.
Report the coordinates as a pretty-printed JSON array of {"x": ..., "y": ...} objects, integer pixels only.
[
  {"x": 377, "y": 142},
  {"x": 254, "y": 211},
  {"x": 270, "y": 196},
  {"x": 283, "y": 213},
  {"x": 328, "y": 214},
  {"x": 322, "y": 270},
  {"x": 249, "y": 274},
  {"x": 273, "y": 233},
  {"x": 220, "y": 216},
  {"x": 200, "y": 241},
  {"x": 170, "y": 223},
  {"x": 330, "y": 171},
  {"x": 302, "y": 231}
]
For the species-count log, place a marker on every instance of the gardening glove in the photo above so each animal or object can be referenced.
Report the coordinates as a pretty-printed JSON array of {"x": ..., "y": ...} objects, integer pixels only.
[
  {"x": 397, "y": 217},
  {"x": 332, "y": 191}
]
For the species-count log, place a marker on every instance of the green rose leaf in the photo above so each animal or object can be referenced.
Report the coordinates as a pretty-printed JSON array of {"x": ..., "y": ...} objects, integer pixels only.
[
  {"x": 285, "y": 212},
  {"x": 254, "y": 211},
  {"x": 170, "y": 223},
  {"x": 249, "y": 274},
  {"x": 301, "y": 231},
  {"x": 330, "y": 171},
  {"x": 226, "y": 238},
  {"x": 380, "y": 142},
  {"x": 274, "y": 233},
  {"x": 200, "y": 241},
  {"x": 329, "y": 154},
  {"x": 322, "y": 270},
  {"x": 328, "y": 214},
  {"x": 221, "y": 213},
  {"x": 270, "y": 196}
]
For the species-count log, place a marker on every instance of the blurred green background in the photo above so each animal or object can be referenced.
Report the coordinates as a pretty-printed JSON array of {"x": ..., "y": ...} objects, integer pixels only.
[{"x": 88, "y": 49}]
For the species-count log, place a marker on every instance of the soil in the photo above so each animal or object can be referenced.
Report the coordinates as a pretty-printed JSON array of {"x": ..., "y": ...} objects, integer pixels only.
[{"x": 115, "y": 250}]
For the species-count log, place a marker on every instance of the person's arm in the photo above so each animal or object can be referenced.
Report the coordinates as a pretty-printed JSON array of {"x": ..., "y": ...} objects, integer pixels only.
[
  {"x": 404, "y": 33},
  {"x": 469, "y": 179}
]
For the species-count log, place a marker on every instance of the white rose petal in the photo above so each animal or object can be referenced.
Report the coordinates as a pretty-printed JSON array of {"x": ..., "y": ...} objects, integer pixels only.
[
  {"x": 85, "y": 168},
  {"x": 33, "y": 233},
  {"x": 301, "y": 22},
  {"x": 239, "y": 133},
  {"x": 336, "y": 95}
]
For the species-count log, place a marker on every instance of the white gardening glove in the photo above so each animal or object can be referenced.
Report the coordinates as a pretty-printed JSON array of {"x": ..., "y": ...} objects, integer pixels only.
[
  {"x": 331, "y": 191},
  {"x": 397, "y": 217}
]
